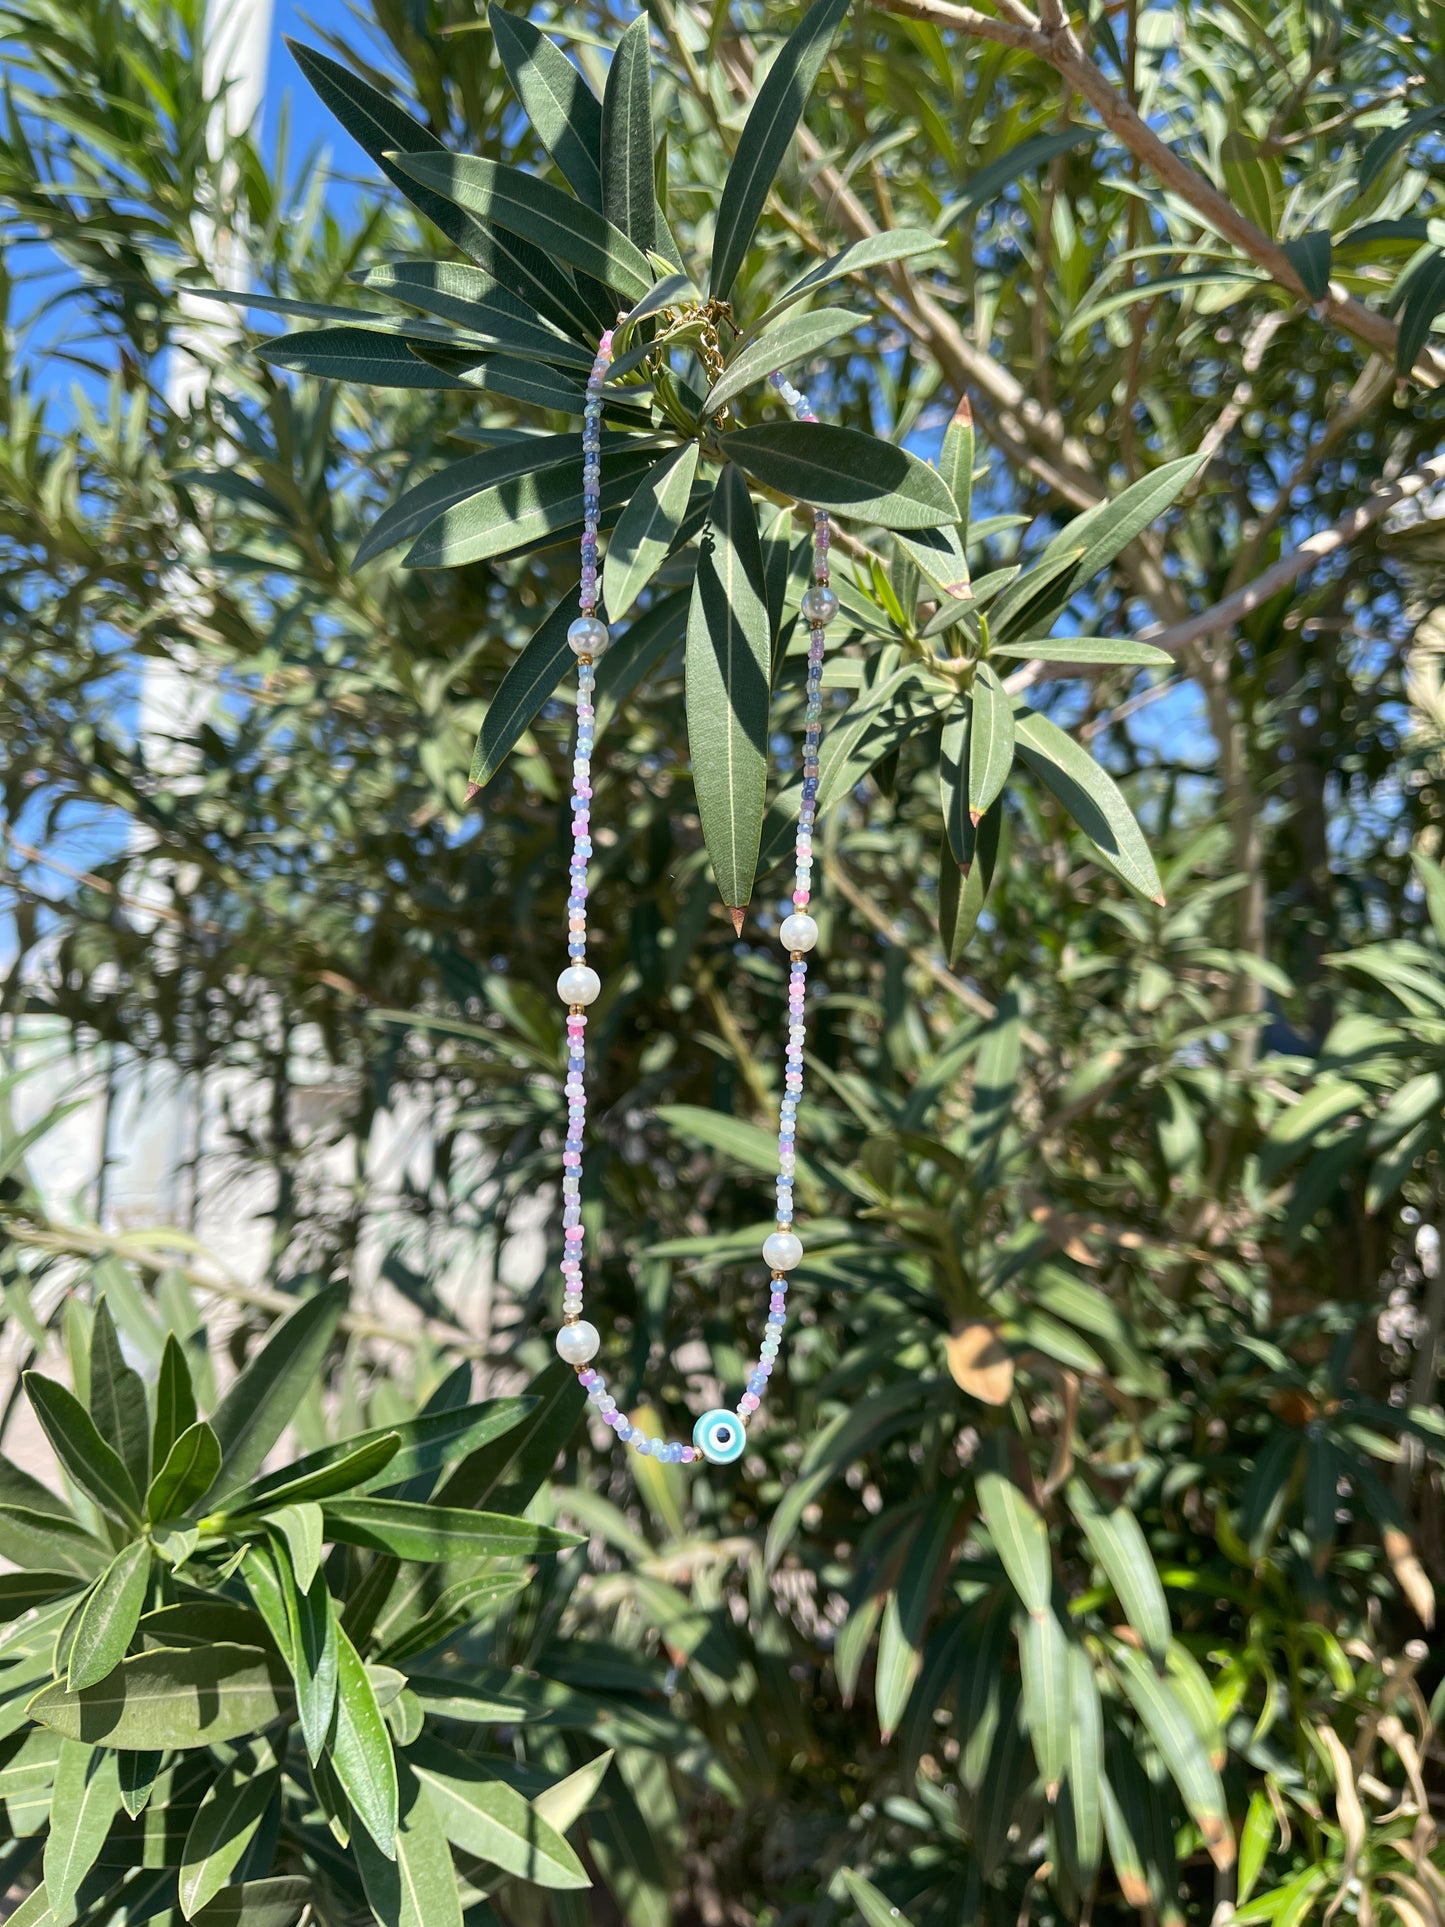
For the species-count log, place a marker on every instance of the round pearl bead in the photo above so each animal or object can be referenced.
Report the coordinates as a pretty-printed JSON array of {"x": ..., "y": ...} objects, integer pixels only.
[
  {"x": 579, "y": 984},
  {"x": 782, "y": 1250},
  {"x": 820, "y": 604},
  {"x": 798, "y": 932},
  {"x": 577, "y": 1343},
  {"x": 588, "y": 636}
]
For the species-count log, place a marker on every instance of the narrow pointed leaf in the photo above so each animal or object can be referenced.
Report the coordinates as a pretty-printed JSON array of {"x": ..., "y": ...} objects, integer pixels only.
[
  {"x": 1103, "y": 531},
  {"x": 223, "y": 1828},
  {"x": 535, "y": 672},
  {"x": 841, "y": 469},
  {"x": 110, "y": 1617},
  {"x": 95, "y": 1467},
  {"x": 426, "y": 1444},
  {"x": 568, "y": 1799},
  {"x": 1086, "y": 1761},
  {"x": 956, "y": 462},
  {"x": 545, "y": 217},
  {"x": 118, "y": 1399},
  {"x": 1018, "y": 1533},
  {"x": 187, "y": 1475},
  {"x": 990, "y": 741},
  {"x": 258, "y": 1903},
  {"x": 418, "y": 1886},
  {"x": 899, "y": 1664},
  {"x": 1100, "y": 650},
  {"x": 299, "y": 1528},
  {"x": 1117, "y": 1541},
  {"x": 366, "y": 355},
  {"x": 728, "y": 674},
  {"x": 484, "y": 1816},
  {"x": 791, "y": 341},
  {"x": 260, "y": 1404},
  {"x": 647, "y": 527},
  {"x": 361, "y": 1750},
  {"x": 1169, "y": 1726},
  {"x": 472, "y": 299},
  {"x": 877, "y": 1911},
  {"x": 766, "y": 136},
  {"x": 1044, "y": 1672},
  {"x": 523, "y": 513},
  {"x": 344, "y": 1474},
  {"x": 963, "y": 887},
  {"x": 438, "y": 1531},
  {"x": 85, "y": 1801},
  {"x": 1092, "y": 798},
  {"x": 41, "y": 1541},
  {"x": 895, "y": 244},
  {"x": 555, "y": 98},
  {"x": 629, "y": 194},
  {"x": 175, "y": 1401}
]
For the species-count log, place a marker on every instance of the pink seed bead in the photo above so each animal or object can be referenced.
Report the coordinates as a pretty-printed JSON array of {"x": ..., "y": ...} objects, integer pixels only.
[
  {"x": 689, "y": 1453},
  {"x": 749, "y": 1402}
]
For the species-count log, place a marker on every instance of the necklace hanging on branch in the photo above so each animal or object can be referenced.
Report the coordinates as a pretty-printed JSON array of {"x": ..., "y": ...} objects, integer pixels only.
[{"x": 719, "y": 1435}]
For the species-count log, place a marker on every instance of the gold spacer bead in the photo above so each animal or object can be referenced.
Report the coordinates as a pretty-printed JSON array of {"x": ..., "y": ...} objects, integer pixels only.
[
  {"x": 576, "y": 1010},
  {"x": 571, "y": 1318},
  {"x": 586, "y": 659},
  {"x": 797, "y": 956},
  {"x": 780, "y": 1274}
]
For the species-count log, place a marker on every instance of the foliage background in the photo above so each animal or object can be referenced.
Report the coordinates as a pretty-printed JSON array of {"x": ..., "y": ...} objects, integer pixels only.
[{"x": 1186, "y": 1161}]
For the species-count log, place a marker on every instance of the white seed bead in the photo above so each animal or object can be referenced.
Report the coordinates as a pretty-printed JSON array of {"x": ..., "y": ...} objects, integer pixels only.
[
  {"x": 588, "y": 636},
  {"x": 579, "y": 984},
  {"x": 798, "y": 932},
  {"x": 782, "y": 1250},
  {"x": 577, "y": 1343}
]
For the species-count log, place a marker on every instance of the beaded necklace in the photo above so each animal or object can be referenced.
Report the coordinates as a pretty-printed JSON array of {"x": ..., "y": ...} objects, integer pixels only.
[{"x": 719, "y": 1435}]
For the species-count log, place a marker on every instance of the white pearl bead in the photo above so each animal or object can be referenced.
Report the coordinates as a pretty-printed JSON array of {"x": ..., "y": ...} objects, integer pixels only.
[
  {"x": 579, "y": 984},
  {"x": 577, "y": 1343},
  {"x": 782, "y": 1250},
  {"x": 820, "y": 603},
  {"x": 798, "y": 932},
  {"x": 588, "y": 636}
]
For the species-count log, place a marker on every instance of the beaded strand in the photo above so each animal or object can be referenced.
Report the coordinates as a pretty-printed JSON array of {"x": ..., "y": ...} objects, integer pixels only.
[{"x": 719, "y": 1435}]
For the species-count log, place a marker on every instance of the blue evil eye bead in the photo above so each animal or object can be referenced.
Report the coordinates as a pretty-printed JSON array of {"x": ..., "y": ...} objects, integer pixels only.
[{"x": 719, "y": 1436}]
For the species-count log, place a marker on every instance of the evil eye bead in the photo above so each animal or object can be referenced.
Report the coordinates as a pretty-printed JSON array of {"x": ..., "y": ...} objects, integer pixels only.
[
  {"x": 588, "y": 637},
  {"x": 820, "y": 604},
  {"x": 719, "y": 1436},
  {"x": 798, "y": 932}
]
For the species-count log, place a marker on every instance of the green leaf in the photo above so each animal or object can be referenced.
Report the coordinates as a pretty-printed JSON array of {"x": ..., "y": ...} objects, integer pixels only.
[
  {"x": 312, "y": 1648},
  {"x": 987, "y": 184},
  {"x": 21, "y": 1489},
  {"x": 990, "y": 741},
  {"x": 456, "y": 1607},
  {"x": 1168, "y": 1725},
  {"x": 138, "y": 1775},
  {"x": 1019, "y": 1535},
  {"x": 355, "y": 354},
  {"x": 506, "y": 1473},
  {"x": 258, "y": 1903},
  {"x": 484, "y": 1816},
  {"x": 899, "y": 1662},
  {"x": 567, "y": 1799},
  {"x": 384, "y": 129},
  {"x": 417, "y": 1888},
  {"x": 555, "y": 98},
  {"x": 534, "y": 673},
  {"x": 1255, "y": 1840},
  {"x": 1423, "y": 299},
  {"x": 522, "y": 512},
  {"x": 1100, "y": 650},
  {"x": 1086, "y": 1761},
  {"x": 875, "y": 1909},
  {"x": 433, "y": 1531},
  {"x": 1016, "y": 602},
  {"x": 361, "y": 1749},
  {"x": 955, "y": 463},
  {"x": 963, "y": 887},
  {"x": 95, "y": 1467},
  {"x": 1092, "y": 798},
  {"x": 894, "y": 244},
  {"x": 118, "y": 1399},
  {"x": 20, "y": 1592},
  {"x": 735, "y": 1137},
  {"x": 1252, "y": 179},
  {"x": 40, "y": 1541},
  {"x": 771, "y": 124},
  {"x": 895, "y": 708},
  {"x": 1310, "y": 256},
  {"x": 85, "y": 1801},
  {"x": 224, "y": 1826},
  {"x": 629, "y": 194},
  {"x": 843, "y": 470},
  {"x": 1044, "y": 1674},
  {"x": 344, "y": 1473},
  {"x": 1107, "y": 528},
  {"x": 171, "y": 1697},
  {"x": 1117, "y": 1542},
  {"x": 648, "y": 526},
  {"x": 938, "y": 556},
  {"x": 300, "y": 1527},
  {"x": 728, "y": 672},
  {"x": 259, "y": 1406},
  {"x": 473, "y": 300},
  {"x": 792, "y": 340},
  {"x": 1387, "y": 143},
  {"x": 544, "y": 216},
  {"x": 189, "y": 1472},
  {"x": 110, "y": 1616},
  {"x": 953, "y": 780},
  {"x": 175, "y": 1400}
]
